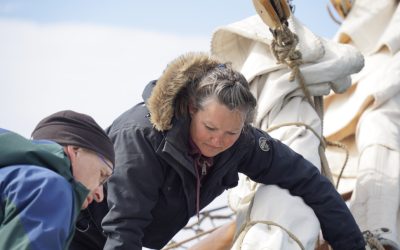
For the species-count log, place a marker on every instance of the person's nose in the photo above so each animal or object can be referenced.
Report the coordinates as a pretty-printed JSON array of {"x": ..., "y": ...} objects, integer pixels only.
[
  {"x": 217, "y": 140},
  {"x": 98, "y": 194}
]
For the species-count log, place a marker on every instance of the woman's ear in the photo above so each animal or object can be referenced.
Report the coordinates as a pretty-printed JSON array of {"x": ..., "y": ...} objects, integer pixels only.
[{"x": 192, "y": 109}]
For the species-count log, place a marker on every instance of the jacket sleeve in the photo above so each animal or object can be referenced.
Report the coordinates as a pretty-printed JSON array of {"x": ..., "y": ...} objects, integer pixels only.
[
  {"x": 132, "y": 190},
  {"x": 37, "y": 209},
  {"x": 272, "y": 162}
]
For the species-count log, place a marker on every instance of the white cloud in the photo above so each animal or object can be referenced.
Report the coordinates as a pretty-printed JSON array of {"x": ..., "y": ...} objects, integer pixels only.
[{"x": 92, "y": 69}]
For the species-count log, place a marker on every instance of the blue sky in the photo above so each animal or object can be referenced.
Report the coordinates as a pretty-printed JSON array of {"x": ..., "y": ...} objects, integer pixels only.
[
  {"x": 175, "y": 16},
  {"x": 95, "y": 56}
]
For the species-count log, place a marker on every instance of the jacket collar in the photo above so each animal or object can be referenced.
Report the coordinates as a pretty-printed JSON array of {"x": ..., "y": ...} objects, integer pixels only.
[{"x": 177, "y": 143}]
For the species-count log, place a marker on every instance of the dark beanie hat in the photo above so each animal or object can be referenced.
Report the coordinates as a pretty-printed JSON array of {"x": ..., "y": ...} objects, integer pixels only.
[{"x": 72, "y": 128}]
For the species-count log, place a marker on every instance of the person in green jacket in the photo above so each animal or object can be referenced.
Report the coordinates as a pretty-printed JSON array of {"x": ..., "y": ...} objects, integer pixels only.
[{"x": 45, "y": 181}]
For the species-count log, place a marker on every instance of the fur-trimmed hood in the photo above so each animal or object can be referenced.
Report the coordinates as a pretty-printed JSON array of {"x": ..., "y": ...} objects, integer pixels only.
[{"x": 184, "y": 70}]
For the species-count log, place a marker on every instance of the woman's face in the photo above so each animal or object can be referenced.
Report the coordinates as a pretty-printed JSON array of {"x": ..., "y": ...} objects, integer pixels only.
[{"x": 215, "y": 128}]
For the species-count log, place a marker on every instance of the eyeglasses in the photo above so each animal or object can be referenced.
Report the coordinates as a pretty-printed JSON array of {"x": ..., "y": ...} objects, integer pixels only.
[{"x": 102, "y": 182}]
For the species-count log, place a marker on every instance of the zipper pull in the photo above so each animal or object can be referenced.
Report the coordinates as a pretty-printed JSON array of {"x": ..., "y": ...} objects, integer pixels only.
[{"x": 203, "y": 170}]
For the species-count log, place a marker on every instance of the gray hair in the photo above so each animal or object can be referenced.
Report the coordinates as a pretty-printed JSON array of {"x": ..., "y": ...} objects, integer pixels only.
[{"x": 228, "y": 86}]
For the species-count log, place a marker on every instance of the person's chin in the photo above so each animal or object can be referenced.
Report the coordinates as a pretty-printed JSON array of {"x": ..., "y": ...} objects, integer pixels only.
[{"x": 211, "y": 151}]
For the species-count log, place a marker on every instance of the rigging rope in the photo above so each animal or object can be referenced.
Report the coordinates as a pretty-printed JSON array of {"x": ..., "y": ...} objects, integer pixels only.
[{"x": 284, "y": 49}]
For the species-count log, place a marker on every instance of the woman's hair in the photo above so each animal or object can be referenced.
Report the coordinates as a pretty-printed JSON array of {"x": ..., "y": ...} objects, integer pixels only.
[{"x": 224, "y": 84}]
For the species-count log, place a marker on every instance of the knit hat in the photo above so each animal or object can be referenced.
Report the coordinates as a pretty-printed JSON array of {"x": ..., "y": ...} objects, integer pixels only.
[{"x": 71, "y": 128}]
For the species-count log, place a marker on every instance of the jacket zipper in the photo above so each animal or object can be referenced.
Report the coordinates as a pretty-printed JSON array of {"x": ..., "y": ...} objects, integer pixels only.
[{"x": 203, "y": 169}]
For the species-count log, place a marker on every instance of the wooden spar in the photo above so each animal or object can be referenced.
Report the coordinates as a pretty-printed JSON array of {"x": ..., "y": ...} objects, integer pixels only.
[{"x": 273, "y": 14}]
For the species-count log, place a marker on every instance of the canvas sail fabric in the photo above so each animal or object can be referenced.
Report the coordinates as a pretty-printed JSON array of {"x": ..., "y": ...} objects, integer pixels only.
[
  {"x": 326, "y": 67},
  {"x": 272, "y": 229},
  {"x": 367, "y": 117}
]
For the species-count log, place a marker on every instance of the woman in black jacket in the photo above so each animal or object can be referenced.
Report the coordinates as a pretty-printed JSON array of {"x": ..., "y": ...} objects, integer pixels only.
[{"x": 184, "y": 145}]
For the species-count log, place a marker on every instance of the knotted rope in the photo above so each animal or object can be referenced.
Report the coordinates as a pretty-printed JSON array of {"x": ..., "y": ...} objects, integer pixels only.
[
  {"x": 372, "y": 241},
  {"x": 284, "y": 50}
]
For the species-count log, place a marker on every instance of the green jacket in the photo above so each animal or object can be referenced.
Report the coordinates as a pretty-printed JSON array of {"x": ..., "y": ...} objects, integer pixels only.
[{"x": 18, "y": 154}]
